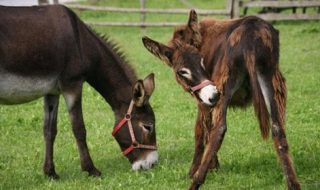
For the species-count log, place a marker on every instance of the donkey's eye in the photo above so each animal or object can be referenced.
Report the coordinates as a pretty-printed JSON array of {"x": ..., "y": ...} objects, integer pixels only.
[{"x": 184, "y": 72}]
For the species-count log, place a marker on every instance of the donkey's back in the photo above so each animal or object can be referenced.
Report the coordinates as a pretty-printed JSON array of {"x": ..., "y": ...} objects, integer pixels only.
[{"x": 35, "y": 46}]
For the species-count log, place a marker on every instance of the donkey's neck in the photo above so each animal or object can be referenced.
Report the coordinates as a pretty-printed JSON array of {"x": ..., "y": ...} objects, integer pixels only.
[{"x": 111, "y": 76}]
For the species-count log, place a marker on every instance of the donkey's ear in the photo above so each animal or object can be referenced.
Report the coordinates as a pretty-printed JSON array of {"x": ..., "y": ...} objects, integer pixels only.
[
  {"x": 148, "y": 84},
  {"x": 194, "y": 26},
  {"x": 138, "y": 93},
  {"x": 163, "y": 52}
]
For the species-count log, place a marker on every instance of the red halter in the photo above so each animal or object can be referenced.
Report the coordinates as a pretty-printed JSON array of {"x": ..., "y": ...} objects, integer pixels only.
[
  {"x": 199, "y": 86},
  {"x": 195, "y": 88},
  {"x": 135, "y": 143}
]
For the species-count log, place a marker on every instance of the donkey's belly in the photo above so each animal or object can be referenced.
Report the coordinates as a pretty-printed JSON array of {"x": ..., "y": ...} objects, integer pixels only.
[{"x": 16, "y": 89}]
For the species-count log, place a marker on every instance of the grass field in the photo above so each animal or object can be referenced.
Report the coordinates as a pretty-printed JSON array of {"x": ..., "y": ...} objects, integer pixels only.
[{"x": 246, "y": 161}]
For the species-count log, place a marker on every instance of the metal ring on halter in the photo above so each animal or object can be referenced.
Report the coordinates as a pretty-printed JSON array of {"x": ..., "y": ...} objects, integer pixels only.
[
  {"x": 135, "y": 144},
  {"x": 127, "y": 116}
]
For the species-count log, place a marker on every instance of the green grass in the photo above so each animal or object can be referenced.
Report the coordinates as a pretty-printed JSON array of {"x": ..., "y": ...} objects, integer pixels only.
[{"x": 246, "y": 161}]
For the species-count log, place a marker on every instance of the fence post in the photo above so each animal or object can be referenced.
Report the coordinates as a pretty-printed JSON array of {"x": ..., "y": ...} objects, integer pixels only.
[
  {"x": 143, "y": 16},
  {"x": 235, "y": 9},
  {"x": 229, "y": 7},
  {"x": 47, "y": 2},
  {"x": 43, "y": 2}
]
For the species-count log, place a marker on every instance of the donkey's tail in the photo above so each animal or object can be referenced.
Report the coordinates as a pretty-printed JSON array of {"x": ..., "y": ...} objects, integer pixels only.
[{"x": 258, "y": 100}]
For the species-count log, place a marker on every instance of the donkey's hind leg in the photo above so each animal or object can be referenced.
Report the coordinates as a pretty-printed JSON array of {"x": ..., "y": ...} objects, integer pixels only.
[
  {"x": 51, "y": 103},
  {"x": 278, "y": 108},
  {"x": 274, "y": 91},
  {"x": 282, "y": 147}
]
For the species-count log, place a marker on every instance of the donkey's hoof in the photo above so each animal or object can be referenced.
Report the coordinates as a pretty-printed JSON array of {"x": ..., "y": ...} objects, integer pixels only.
[
  {"x": 50, "y": 173},
  {"x": 190, "y": 175},
  {"x": 214, "y": 165},
  {"x": 192, "y": 171},
  {"x": 94, "y": 173},
  {"x": 194, "y": 186},
  {"x": 53, "y": 176},
  {"x": 294, "y": 186}
]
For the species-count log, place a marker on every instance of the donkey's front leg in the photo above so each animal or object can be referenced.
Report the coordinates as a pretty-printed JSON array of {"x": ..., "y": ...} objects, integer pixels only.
[
  {"x": 202, "y": 129},
  {"x": 51, "y": 103},
  {"x": 73, "y": 102},
  {"x": 198, "y": 146},
  {"x": 215, "y": 141}
]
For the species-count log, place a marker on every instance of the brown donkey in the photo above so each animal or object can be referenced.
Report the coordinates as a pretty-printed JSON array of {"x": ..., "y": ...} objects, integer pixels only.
[
  {"x": 48, "y": 51},
  {"x": 241, "y": 57}
]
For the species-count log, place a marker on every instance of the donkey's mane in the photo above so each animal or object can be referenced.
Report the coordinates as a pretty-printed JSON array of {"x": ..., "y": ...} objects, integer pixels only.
[
  {"x": 118, "y": 52},
  {"x": 115, "y": 47}
]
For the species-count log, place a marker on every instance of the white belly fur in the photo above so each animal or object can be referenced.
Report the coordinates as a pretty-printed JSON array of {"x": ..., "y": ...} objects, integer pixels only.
[{"x": 16, "y": 89}]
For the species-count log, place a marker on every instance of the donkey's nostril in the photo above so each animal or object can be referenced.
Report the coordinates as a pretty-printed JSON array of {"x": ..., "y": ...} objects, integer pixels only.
[
  {"x": 148, "y": 128},
  {"x": 214, "y": 98},
  {"x": 152, "y": 165}
]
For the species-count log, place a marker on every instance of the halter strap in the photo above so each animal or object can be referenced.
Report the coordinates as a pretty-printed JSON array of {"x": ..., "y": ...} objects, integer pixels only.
[
  {"x": 195, "y": 88},
  {"x": 135, "y": 143},
  {"x": 201, "y": 85},
  {"x": 124, "y": 120}
]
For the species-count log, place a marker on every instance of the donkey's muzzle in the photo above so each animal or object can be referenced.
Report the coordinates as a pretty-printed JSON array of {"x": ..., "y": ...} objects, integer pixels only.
[
  {"x": 214, "y": 99},
  {"x": 209, "y": 95}
]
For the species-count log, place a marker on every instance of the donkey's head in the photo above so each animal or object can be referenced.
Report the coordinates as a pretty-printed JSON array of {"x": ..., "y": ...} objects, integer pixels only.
[
  {"x": 135, "y": 133},
  {"x": 187, "y": 64}
]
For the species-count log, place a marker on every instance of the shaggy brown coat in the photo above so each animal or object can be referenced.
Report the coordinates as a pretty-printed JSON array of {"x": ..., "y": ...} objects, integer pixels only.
[{"x": 241, "y": 57}]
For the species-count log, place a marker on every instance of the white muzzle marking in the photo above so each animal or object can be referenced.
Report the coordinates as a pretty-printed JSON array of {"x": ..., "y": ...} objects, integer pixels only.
[
  {"x": 208, "y": 93},
  {"x": 147, "y": 163}
]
